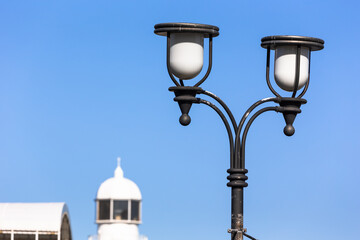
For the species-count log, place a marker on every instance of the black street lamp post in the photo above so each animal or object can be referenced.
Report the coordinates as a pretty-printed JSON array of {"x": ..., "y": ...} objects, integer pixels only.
[{"x": 185, "y": 45}]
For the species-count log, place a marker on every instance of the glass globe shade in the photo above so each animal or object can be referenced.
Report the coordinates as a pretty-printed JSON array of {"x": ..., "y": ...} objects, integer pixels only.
[
  {"x": 285, "y": 67},
  {"x": 186, "y": 54}
]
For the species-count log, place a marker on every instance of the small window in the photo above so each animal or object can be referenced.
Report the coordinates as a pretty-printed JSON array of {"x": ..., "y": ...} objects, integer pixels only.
[
  {"x": 24, "y": 236},
  {"x": 5, "y": 236},
  {"x": 135, "y": 210},
  {"x": 104, "y": 210},
  {"x": 120, "y": 210},
  {"x": 47, "y": 237}
]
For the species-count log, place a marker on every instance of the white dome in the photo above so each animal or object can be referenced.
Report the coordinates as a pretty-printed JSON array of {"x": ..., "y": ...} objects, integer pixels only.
[{"x": 118, "y": 187}]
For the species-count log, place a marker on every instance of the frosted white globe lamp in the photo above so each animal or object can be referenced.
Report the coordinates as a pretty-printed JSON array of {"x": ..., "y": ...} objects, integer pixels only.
[
  {"x": 292, "y": 59},
  {"x": 285, "y": 67},
  {"x": 186, "y": 54},
  {"x": 185, "y": 48}
]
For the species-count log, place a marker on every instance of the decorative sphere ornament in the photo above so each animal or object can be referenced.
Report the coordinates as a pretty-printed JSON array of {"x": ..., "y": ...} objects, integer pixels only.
[
  {"x": 289, "y": 130},
  {"x": 185, "y": 119}
]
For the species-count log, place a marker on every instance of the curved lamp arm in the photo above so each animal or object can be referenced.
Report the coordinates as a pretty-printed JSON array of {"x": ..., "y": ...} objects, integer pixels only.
[
  {"x": 241, "y": 124},
  {"x": 221, "y": 102},
  {"x": 227, "y": 125},
  {"x": 243, "y": 139}
]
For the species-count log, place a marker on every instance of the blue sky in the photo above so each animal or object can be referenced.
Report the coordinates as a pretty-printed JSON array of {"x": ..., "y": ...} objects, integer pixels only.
[{"x": 83, "y": 82}]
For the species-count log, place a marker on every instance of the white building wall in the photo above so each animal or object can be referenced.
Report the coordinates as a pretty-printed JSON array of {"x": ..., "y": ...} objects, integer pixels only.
[{"x": 118, "y": 231}]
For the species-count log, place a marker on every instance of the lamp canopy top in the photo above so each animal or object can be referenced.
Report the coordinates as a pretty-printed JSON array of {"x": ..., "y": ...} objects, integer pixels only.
[
  {"x": 314, "y": 44},
  {"x": 163, "y": 29}
]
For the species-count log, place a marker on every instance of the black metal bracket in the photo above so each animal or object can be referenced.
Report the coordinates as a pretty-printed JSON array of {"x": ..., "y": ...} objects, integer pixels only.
[
  {"x": 185, "y": 96},
  {"x": 290, "y": 107},
  {"x": 241, "y": 233}
]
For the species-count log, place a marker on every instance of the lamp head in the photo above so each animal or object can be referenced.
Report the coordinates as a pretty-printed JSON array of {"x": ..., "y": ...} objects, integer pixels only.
[
  {"x": 186, "y": 46},
  {"x": 288, "y": 50}
]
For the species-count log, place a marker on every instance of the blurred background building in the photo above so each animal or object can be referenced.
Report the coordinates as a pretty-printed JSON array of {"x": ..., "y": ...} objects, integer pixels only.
[
  {"x": 34, "y": 221},
  {"x": 118, "y": 214},
  {"x": 118, "y": 209}
]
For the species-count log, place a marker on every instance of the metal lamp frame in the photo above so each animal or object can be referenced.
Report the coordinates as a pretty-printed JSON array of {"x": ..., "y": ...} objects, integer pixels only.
[{"x": 185, "y": 96}]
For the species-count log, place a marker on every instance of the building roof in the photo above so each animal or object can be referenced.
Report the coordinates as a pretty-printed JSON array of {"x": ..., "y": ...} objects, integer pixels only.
[
  {"x": 32, "y": 216},
  {"x": 118, "y": 187}
]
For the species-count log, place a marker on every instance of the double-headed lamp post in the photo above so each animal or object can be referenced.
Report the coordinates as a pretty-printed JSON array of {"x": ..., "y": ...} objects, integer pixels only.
[{"x": 185, "y": 57}]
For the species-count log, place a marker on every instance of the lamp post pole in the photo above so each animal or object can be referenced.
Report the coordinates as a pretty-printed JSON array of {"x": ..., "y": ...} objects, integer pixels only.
[{"x": 185, "y": 45}]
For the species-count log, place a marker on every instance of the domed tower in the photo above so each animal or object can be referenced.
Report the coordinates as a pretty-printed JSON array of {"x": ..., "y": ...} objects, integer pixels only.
[{"x": 118, "y": 208}]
